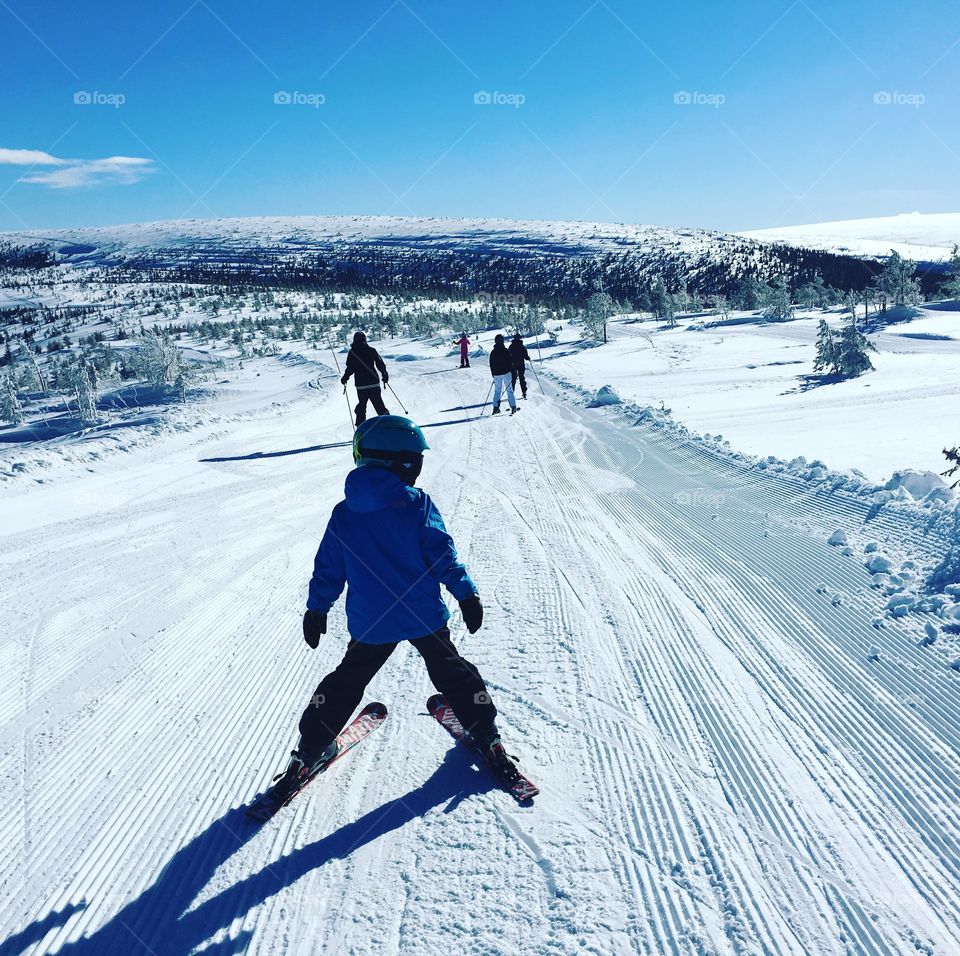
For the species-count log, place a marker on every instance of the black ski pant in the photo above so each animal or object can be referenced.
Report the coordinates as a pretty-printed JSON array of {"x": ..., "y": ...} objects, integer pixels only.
[
  {"x": 340, "y": 692},
  {"x": 520, "y": 373},
  {"x": 365, "y": 395},
  {"x": 464, "y": 361}
]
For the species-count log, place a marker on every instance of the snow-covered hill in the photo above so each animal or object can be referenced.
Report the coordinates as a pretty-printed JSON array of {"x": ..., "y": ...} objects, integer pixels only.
[
  {"x": 925, "y": 237},
  {"x": 297, "y": 234}
]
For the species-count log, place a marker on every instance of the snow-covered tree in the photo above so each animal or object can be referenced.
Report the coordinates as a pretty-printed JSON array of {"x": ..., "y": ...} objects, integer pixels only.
[
  {"x": 599, "y": 309},
  {"x": 157, "y": 360},
  {"x": 10, "y": 409},
  {"x": 77, "y": 381},
  {"x": 951, "y": 285},
  {"x": 663, "y": 303},
  {"x": 826, "y": 348},
  {"x": 775, "y": 301},
  {"x": 813, "y": 294},
  {"x": 721, "y": 307},
  {"x": 845, "y": 354},
  {"x": 896, "y": 282},
  {"x": 852, "y": 359}
]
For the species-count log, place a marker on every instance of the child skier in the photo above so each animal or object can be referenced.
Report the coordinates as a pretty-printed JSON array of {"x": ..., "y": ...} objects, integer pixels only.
[
  {"x": 464, "y": 344},
  {"x": 387, "y": 542}
]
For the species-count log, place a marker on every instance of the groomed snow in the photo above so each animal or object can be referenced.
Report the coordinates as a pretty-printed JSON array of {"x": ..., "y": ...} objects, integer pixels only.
[{"x": 733, "y": 758}]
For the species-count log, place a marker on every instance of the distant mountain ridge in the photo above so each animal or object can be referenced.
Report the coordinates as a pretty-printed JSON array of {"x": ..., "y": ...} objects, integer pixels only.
[
  {"x": 537, "y": 259},
  {"x": 924, "y": 237}
]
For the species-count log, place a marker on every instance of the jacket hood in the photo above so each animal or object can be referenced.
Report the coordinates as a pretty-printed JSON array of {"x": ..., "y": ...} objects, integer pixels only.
[{"x": 372, "y": 489}]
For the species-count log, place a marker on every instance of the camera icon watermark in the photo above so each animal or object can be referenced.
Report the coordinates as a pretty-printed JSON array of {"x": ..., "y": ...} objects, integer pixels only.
[
  {"x": 482, "y": 698},
  {"x": 96, "y": 98},
  {"x": 898, "y": 98},
  {"x": 696, "y": 98},
  {"x": 496, "y": 98},
  {"x": 499, "y": 298},
  {"x": 700, "y": 498},
  {"x": 298, "y": 98}
]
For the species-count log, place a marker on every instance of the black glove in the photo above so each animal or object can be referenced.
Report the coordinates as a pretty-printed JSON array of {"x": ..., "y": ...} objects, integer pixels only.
[
  {"x": 386, "y": 378},
  {"x": 314, "y": 624},
  {"x": 345, "y": 379},
  {"x": 472, "y": 610}
]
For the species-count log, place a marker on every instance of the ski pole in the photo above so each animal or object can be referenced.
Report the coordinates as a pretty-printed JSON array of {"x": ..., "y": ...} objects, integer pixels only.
[
  {"x": 484, "y": 405},
  {"x": 397, "y": 397},
  {"x": 345, "y": 398},
  {"x": 534, "y": 367}
]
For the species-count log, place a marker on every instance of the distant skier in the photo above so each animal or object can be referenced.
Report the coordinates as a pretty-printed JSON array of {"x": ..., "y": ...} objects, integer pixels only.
[
  {"x": 387, "y": 542},
  {"x": 464, "y": 344},
  {"x": 363, "y": 360},
  {"x": 519, "y": 356},
  {"x": 501, "y": 368}
]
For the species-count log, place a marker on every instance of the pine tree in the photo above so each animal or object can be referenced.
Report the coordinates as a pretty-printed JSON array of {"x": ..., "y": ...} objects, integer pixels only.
[
  {"x": 952, "y": 284},
  {"x": 775, "y": 301},
  {"x": 599, "y": 309},
  {"x": 10, "y": 408},
  {"x": 826, "y": 348},
  {"x": 851, "y": 358},
  {"x": 897, "y": 281}
]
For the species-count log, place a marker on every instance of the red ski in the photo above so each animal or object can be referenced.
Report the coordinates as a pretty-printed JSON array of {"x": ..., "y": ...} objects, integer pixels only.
[
  {"x": 280, "y": 794},
  {"x": 517, "y": 785}
]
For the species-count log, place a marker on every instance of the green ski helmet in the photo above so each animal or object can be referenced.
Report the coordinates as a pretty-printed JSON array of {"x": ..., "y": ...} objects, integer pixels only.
[{"x": 392, "y": 442}]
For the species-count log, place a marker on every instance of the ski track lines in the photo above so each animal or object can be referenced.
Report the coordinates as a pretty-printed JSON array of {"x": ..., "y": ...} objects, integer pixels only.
[{"x": 723, "y": 768}]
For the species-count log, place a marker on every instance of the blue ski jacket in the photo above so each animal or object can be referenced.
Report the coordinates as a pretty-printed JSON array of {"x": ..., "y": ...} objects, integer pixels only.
[{"x": 387, "y": 542}]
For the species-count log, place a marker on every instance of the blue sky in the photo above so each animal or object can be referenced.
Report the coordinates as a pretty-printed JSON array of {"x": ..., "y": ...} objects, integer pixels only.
[{"x": 732, "y": 116}]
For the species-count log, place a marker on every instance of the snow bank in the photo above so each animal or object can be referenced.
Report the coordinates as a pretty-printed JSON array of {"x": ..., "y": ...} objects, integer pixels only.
[
  {"x": 605, "y": 395},
  {"x": 919, "y": 484}
]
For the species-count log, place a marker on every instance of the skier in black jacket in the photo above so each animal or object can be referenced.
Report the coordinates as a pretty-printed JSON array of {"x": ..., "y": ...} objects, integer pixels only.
[
  {"x": 520, "y": 356},
  {"x": 501, "y": 368},
  {"x": 363, "y": 360}
]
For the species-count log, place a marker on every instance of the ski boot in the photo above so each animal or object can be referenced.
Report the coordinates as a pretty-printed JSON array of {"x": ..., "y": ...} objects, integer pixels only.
[
  {"x": 514, "y": 410},
  {"x": 496, "y": 409},
  {"x": 304, "y": 764},
  {"x": 495, "y": 755}
]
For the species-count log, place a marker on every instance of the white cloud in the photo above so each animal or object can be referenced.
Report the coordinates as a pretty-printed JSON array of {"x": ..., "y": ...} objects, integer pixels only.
[
  {"x": 28, "y": 157},
  {"x": 72, "y": 173}
]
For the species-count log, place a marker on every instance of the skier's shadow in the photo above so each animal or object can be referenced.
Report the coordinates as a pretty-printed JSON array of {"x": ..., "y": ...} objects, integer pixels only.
[
  {"x": 257, "y": 455},
  {"x": 158, "y": 922}
]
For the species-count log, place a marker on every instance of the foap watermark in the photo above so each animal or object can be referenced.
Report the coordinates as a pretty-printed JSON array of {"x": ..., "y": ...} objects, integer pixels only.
[
  {"x": 97, "y": 98},
  {"x": 700, "y": 498},
  {"x": 898, "y": 98},
  {"x": 499, "y": 298},
  {"x": 696, "y": 98},
  {"x": 298, "y": 98},
  {"x": 496, "y": 98},
  {"x": 482, "y": 698}
]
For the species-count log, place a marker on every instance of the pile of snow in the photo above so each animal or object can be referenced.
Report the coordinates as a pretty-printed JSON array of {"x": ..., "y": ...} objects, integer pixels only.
[
  {"x": 919, "y": 484},
  {"x": 605, "y": 395}
]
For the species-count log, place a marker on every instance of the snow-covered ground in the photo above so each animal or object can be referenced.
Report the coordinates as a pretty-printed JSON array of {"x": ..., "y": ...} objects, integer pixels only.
[
  {"x": 925, "y": 237},
  {"x": 733, "y": 758},
  {"x": 752, "y": 383}
]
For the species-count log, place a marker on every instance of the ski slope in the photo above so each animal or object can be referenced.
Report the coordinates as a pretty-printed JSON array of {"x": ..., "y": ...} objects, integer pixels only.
[{"x": 732, "y": 759}]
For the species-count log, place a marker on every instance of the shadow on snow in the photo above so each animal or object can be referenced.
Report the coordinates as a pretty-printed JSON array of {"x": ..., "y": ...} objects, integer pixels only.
[
  {"x": 257, "y": 455},
  {"x": 161, "y": 921}
]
